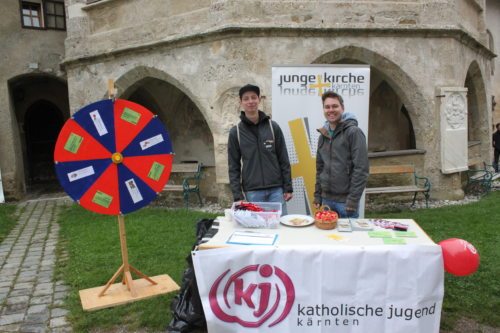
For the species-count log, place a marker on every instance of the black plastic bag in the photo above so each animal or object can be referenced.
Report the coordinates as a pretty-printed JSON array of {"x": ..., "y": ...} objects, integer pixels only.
[{"x": 187, "y": 311}]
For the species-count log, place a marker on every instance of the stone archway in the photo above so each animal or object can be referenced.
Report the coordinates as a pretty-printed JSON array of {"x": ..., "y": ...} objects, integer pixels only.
[
  {"x": 406, "y": 97},
  {"x": 42, "y": 123},
  {"x": 133, "y": 79},
  {"x": 40, "y": 106},
  {"x": 189, "y": 129},
  {"x": 389, "y": 118},
  {"x": 477, "y": 106},
  {"x": 191, "y": 137}
]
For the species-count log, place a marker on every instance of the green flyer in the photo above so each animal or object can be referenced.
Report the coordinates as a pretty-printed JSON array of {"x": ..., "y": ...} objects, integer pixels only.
[
  {"x": 407, "y": 234},
  {"x": 380, "y": 234},
  {"x": 394, "y": 241},
  {"x": 156, "y": 171},
  {"x": 102, "y": 199},
  {"x": 131, "y": 116},
  {"x": 73, "y": 143}
]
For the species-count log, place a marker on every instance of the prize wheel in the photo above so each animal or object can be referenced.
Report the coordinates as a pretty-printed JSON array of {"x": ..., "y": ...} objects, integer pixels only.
[{"x": 113, "y": 157}]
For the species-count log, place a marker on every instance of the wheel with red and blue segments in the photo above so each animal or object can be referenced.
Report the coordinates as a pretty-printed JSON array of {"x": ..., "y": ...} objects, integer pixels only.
[{"x": 113, "y": 157}]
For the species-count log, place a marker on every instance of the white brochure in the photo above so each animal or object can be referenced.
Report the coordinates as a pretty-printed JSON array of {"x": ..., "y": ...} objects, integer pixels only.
[
  {"x": 81, "y": 173},
  {"x": 151, "y": 141},
  {"x": 98, "y": 123},
  {"x": 133, "y": 190}
]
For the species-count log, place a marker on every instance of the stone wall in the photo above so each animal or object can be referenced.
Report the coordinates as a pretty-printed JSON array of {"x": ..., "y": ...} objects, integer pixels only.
[
  {"x": 210, "y": 73},
  {"x": 187, "y": 60},
  {"x": 24, "y": 52},
  {"x": 114, "y": 25},
  {"x": 493, "y": 25},
  {"x": 208, "y": 52}
]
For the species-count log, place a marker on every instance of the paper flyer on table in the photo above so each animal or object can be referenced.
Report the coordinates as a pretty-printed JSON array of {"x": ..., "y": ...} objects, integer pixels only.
[{"x": 252, "y": 238}]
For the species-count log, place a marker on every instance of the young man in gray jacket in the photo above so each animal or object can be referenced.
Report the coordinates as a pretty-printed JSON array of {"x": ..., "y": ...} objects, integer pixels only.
[
  {"x": 341, "y": 159},
  {"x": 257, "y": 155}
]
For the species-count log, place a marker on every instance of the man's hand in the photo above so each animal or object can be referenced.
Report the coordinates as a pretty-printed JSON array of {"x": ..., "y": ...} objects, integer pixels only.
[
  {"x": 287, "y": 196},
  {"x": 350, "y": 210}
]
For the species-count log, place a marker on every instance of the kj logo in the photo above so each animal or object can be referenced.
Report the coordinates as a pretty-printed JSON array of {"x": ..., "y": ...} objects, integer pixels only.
[{"x": 254, "y": 295}]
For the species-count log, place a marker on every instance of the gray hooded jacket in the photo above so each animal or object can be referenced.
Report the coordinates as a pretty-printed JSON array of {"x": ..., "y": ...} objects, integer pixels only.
[
  {"x": 342, "y": 163},
  {"x": 260, "y": 161}
]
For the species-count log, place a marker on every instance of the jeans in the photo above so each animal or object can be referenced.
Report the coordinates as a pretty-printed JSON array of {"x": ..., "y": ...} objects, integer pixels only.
[
  {"x": 273, "y": 194},
  {"x": 339, "y": 207}
]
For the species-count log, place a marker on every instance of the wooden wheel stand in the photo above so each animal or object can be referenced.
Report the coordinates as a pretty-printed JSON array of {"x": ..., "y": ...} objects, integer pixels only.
[
  {"x": 113, "y": 294},
  {"x": 125, "y": 267},
  {"x": 129, "y": 290}
]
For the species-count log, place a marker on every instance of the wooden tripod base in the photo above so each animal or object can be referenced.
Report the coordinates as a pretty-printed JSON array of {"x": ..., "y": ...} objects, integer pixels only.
[
  {"x": 127, "y": 279},
  {"x": 118, "y": 293}
]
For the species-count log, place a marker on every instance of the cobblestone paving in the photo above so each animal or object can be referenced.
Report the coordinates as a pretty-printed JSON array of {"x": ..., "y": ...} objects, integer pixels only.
[{"x": 30, "y": 299}]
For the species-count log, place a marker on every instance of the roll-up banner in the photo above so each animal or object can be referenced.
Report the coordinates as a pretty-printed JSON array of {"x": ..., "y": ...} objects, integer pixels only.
[{"x": 298, "y": 109}]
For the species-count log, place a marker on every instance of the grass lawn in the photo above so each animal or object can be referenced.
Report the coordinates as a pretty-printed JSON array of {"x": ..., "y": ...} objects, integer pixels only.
[
  {"x": 7, "y": 220},
  {"x": 159, "y": 240},
  {"x": 473, "y": 296}
]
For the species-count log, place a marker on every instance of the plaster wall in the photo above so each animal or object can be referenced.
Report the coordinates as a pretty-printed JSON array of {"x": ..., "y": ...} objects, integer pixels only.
[{"x": 23, "y": 51}]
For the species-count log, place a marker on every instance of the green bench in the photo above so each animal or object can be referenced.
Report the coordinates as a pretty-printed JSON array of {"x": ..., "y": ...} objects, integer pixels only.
[
  {"x": 190, "y": 183},
  {"x": 494, "y": 175},
  {"x": 480, "y": 177},
  {"x": 418, "y": 184}
]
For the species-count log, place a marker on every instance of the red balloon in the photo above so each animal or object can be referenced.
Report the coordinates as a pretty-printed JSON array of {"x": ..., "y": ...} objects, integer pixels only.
[{"x": 460, "y": 257}]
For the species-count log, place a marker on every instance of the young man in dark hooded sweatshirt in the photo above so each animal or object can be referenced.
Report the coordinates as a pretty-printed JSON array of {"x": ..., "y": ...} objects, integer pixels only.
[
  {"x": 259, "y": 168},
  {"x": 341, "y": 160},
  {"x": 496, "y": 147}
]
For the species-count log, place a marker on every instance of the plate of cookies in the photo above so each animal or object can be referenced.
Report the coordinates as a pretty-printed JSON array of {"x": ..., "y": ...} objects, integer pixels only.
[{"x": 296, "y": 220}]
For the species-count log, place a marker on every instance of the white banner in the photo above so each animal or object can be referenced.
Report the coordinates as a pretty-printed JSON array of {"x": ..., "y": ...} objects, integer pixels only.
[
  {"x": 298, "y": 109},
  {"x": 2, "y": 198},
  {"x": 321, "y": 289}
]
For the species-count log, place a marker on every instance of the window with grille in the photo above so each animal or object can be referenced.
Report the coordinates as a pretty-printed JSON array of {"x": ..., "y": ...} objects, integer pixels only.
[
  {"x": 54, "y": 14},
  {"x": 31, "y": 15},
  {"x": 43, "y": 14}
]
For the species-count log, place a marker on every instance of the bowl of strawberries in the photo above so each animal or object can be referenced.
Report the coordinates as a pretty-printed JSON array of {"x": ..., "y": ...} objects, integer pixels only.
[{"x": 325, "y": 218}]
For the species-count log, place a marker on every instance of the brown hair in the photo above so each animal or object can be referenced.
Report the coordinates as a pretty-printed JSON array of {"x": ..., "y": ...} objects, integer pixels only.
[{"x": 331, "y": 94}]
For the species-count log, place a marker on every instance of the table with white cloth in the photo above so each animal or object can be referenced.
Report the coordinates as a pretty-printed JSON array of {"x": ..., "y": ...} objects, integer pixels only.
[{"x": 313, "y": 280}]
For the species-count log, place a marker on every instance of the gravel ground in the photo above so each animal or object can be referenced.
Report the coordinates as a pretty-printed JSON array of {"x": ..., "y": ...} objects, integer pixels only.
[{"x": 371, "y": 206}]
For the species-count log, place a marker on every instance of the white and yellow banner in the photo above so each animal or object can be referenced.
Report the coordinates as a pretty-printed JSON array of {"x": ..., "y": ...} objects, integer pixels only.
[
  {"x": 345, "y": 289},
  {"x": 297, "y": 108}
]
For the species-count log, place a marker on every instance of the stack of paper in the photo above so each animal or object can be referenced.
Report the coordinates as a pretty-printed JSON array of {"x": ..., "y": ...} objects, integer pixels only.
[{"x": 252, "y": 238}]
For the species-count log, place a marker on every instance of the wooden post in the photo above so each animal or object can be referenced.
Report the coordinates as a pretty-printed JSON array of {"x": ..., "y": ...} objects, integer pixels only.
[
  {"x": 123, "y": 243},
  {"x": 125, "y": 267},
  {"x": 111, "y": 89}
]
